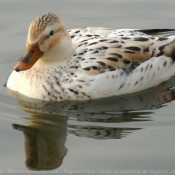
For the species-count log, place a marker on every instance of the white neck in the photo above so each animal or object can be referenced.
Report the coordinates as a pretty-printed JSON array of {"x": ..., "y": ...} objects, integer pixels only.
[{"x": 59, "y": 54}]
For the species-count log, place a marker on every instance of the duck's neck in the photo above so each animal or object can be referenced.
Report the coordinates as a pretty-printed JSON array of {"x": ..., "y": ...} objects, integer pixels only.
[{"x": 60, "y": 54}]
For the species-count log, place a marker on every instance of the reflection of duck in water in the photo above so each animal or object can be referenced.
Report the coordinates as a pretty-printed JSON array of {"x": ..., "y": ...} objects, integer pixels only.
[
  {"x": 91, "y": 63},
  {"x": 98, "y": 132},
  {"x": 45, "y": 137},
  {"x": 44, "y": 142}
]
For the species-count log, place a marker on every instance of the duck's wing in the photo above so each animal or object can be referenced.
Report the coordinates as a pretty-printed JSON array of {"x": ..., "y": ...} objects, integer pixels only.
[
  {"x": 111, "y": 62},
  {"x": 79, "y": 34},
  {"x": 90, "y": 31},
  {"x": 117, "y": 63},
  {"x": 118, "y": 82},
  {"x": 101, "y": 54},
  {"x": 158, "y": 32},
  {"x": 145, "y": 32}
]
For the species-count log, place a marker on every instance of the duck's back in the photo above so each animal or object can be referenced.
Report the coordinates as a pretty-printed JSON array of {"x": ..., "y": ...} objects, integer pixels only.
[
  {"x": 99, "y": 52},
  {"x": 115, "y": 62}
]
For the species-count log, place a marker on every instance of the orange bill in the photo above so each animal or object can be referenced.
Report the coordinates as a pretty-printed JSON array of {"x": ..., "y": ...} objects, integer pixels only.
[{"x": 30, "y": 57}]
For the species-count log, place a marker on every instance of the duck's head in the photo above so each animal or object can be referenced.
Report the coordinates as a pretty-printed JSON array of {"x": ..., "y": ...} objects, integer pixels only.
[{"x": 48, "y": 41}]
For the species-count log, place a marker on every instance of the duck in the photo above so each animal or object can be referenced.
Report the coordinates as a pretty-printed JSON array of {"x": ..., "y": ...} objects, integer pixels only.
[{"x": 91, "y": 62}]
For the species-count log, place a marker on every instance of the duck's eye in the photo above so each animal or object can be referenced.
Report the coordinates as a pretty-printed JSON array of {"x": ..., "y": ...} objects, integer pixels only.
[{"x": 51, "y": 33}]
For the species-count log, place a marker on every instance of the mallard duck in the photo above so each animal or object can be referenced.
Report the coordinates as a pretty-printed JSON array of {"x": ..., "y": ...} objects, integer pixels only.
[{"x": 92, "y": 62}]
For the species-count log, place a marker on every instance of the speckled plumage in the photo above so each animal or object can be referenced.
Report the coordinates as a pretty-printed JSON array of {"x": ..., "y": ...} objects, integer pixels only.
[{"x": 105, "y": 62}]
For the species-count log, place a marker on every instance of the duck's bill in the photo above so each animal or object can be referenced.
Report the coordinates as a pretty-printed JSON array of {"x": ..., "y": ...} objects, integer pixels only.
[{"x": 30, "y": 57}]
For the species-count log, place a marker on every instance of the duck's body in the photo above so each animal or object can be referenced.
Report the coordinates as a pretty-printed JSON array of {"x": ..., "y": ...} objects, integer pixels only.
[{"x": 91, "y": 62}]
